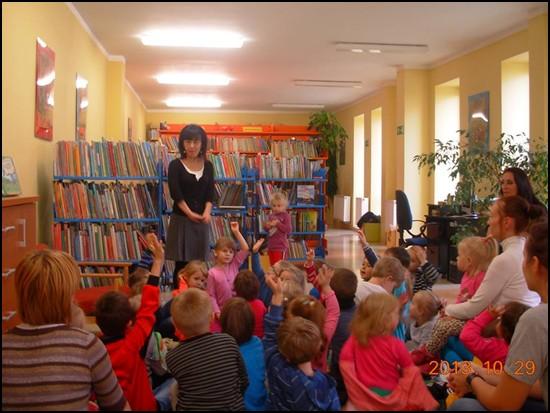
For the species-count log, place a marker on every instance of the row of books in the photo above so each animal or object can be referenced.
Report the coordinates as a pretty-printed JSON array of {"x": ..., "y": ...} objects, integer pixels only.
[
  {"x": 230, "y": 165},
  {"x": 252, "y": 144},
  {"x": 295, "y": 167},
  {"x": 229, "y": 195},
  {"x": 87, "y": 282},
  {"x": 266, "y": 189},
  {"x": 297, "y": 249},
  {"x": 301, "y": 220},
  {"x": 99, "y": 242},
  {"x": 105, "y": 200},
  {"x": 105, "y": 159},
  {"x": 219, "y": 226},
  {"x": 288, "y": 149}
]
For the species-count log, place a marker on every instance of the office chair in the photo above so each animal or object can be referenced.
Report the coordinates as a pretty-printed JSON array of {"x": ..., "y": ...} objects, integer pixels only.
[{"x": 405, "y": 221}]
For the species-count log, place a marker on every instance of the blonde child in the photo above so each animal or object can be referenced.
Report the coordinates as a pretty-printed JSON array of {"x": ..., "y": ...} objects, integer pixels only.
[
  {"x": 279, "y": 227},
  {"x": 193, "y": 275},
  {"x": 424, "y": 313},
  {"x": 375, "y": 365},
  {"x": 474, "y": 256},
  {"x": 222, "y": 275},
  {"x": 209, "y": 369},
  {"x": 387, "y": 274}
]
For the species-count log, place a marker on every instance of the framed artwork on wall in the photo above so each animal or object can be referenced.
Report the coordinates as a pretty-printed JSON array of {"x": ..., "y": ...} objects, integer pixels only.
[
  {"x": 81, "y": 107},
  {"x": 10, "y": 182},
  {"x": 44, "y": 100},
  {"x": 478, "y": 120}
]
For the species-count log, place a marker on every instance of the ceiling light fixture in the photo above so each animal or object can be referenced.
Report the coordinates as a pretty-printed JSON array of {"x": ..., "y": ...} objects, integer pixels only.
[
  {"x": 180, "y": 78},
  {"x": 193, "y": 101},
  {"x": 192, "y": 38},
  {"x": 381, "y": 47},
  {"x": 328, "y": 83},
  {"x": 298, "y": 105}
]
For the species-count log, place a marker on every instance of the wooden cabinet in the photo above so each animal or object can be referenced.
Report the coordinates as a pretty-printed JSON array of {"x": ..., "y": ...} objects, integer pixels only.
[{"x": 18, "y": 237}]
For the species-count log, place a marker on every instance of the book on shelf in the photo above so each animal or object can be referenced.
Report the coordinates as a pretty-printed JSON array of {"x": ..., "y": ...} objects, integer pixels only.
[
  {"x": 229, "y": 195},
  {"x": 305, "y": 194},
  {"x": 296, "y": 249},
  {"x": 296, "y": 167},
  {"x": 289, "y": 148}
]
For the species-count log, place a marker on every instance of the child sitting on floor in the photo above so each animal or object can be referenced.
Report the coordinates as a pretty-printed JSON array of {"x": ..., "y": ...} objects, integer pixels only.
[
  {"x": 237, "y": 320},
  {"x": 124, "y": 337},
  {"x": 208, "y": 367},
  {"x": 290, "y": 347},
  {"x": 493, "y": 348},
  {"x": 474, "y": 256},
  {"x": 247, "y": 286},
  {"x": 424, "y": 314},
  {"x": 377, "y": 368},
  {"x": 324, "y": 313}
]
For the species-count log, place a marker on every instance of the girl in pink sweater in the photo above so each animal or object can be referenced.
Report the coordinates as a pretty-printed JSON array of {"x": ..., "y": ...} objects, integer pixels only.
[{"x": 490, "y": 347}]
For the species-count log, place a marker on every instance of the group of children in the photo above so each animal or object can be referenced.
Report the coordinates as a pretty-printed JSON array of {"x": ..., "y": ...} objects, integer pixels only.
[{"x": 287, "y": 338}]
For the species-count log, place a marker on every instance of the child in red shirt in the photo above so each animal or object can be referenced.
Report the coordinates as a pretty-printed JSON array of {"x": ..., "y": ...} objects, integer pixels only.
[
  {"x": 247, "y": 286},
  {"x": 124, "y": 335}
]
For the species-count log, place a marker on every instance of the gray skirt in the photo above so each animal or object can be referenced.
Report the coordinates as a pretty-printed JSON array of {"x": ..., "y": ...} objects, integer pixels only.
[{"x": 186, "y": 240}]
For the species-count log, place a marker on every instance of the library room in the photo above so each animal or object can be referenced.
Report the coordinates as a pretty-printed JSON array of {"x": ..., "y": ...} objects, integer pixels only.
[{"x": 275, "y": 206}]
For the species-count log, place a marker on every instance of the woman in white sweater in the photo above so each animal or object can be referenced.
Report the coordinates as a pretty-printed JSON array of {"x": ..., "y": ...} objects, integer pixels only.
[{"x": 504, "y": 281}]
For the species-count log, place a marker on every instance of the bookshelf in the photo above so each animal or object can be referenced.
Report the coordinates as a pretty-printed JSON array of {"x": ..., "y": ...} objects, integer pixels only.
[
  {"x": 106, "y": 195},
  {"x": 262, "y": 159}
]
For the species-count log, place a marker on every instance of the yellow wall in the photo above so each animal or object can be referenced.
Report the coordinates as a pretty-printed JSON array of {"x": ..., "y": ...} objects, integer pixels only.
[
  {"x": 75, "y": 53},
  {"x": 385, "y": 99},
  {"x": 227, "y": 118},
  {"x": 135, "y": 111},
  {"x": 411, "y": 104}
]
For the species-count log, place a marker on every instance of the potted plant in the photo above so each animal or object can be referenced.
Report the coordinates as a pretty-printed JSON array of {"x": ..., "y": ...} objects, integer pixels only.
[
  {"x": 331, "y": 137},
  {"x": 479, "y": 170}
]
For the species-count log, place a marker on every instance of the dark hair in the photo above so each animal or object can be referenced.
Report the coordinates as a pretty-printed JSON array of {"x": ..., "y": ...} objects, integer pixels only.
[
  {"x": 537, "y": 242},
  {"x": 344, "y": 284},
  {"x": 246, "y": 285},
  {"x": 237, "y": 319},
  {"x": 190, "y": 132},
  {"x": 401, "y": 254},
  {"x": 509, "y": 319},
  {"x": 525, "y": 190},
  {"x": 519, "y": 209},
  {"x": 112, "y": 313}
]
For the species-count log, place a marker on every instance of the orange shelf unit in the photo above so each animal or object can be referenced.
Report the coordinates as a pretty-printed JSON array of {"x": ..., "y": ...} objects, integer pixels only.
[{"x": 275, "y": 131}]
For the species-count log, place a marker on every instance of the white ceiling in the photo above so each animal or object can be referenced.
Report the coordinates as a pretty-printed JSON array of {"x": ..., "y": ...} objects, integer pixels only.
[{"x": 296, "y": 41}]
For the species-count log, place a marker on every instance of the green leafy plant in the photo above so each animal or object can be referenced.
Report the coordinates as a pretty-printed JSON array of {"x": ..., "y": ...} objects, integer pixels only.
[
  {"x": 331, "y": 136},
  {"x": 479, "y": 170}
]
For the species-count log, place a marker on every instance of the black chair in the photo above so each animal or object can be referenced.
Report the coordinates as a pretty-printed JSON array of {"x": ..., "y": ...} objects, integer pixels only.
[{"x": 405, "y": 221}]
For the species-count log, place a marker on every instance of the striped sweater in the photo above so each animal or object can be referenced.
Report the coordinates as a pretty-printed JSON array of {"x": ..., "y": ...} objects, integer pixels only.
[
  {"x": 56, "y": 367},
  {"x": 210, "y": 372},
  {"x": 425, "y": 277}
]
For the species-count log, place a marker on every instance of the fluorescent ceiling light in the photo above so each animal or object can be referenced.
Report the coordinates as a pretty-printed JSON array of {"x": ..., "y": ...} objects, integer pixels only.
[
  {"x": 381, "y": 47},
  {"x": 297, "y": 105},
  {"x": 193, "y": 101},
  {"x": 46, "y": 79},
  {"x": 81, "y": 83},
  {"x": 328, "y": 83},
  {"x": 41, "y": 42},
  {"x": 192, "y": 38},
  {"x": 181, "y": 78}
]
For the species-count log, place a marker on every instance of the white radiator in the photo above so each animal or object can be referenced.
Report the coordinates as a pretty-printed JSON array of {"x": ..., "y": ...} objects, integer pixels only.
[{"x": 341, "y": 207}]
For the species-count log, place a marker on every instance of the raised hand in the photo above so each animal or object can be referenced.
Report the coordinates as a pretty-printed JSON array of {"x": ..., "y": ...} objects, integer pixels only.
[
  {"x": 324, "y": 276},
  {"x": 310, "y": 255},
  {"x": 362, "y": 237},
  {"x": 155, "y": 246},
  {"x": 234, "y": 226},
  {"x": 274, "y": 283},
  {"x": 256, "y": 247}
]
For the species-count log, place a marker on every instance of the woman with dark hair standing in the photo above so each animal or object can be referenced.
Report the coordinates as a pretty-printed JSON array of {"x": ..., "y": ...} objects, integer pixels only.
[
  {"x": 514, "y": 181},
  {"x": 191, "y": 183}
]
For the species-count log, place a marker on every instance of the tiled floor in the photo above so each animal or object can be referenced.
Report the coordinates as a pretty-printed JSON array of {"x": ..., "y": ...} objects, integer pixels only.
[{"x": 344, "y": 250}]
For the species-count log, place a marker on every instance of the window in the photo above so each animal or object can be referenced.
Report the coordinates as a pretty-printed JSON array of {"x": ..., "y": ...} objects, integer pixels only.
[
  {"x": 515, "y": 97},
  {"x": 376, "y": 161}
]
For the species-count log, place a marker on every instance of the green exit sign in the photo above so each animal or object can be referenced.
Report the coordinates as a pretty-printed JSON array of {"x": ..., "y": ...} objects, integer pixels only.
[{"x": 400, "y": 130}]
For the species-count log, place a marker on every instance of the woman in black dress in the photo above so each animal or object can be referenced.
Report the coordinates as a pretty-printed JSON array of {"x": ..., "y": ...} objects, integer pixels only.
[{"x": 191, "y": 183}]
